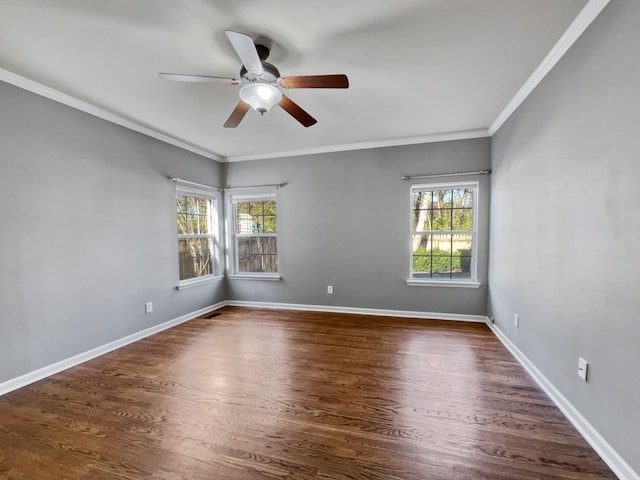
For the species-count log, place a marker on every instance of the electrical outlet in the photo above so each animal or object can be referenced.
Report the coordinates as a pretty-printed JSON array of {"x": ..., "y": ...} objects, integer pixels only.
[
  {"x": 516, "y": 320},
  {"x": 583, "y": 369},
  {"x": 148, "y": 307},
  {"x": 330, "y": 289}
]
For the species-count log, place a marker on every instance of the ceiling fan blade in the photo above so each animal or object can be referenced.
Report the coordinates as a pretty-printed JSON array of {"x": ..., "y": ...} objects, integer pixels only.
[
  {"x": 316, "y": 81},
  {"x": 246, "y": 50},
  {"x": 237, "y": 115},
  {"x": 296, "y": 112},
  {"x": 180, "y": 77}
]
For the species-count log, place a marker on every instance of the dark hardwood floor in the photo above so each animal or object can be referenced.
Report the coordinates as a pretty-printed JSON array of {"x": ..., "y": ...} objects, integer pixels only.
[{"x": 268, "y": 394}]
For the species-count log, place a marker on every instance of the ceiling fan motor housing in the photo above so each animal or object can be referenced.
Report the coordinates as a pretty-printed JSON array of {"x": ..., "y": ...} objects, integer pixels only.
[{"x": 270, "y": 75}]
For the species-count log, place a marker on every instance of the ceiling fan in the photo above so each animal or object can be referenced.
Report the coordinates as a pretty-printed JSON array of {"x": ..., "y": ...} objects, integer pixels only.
[{"x": 261, "y": 82}]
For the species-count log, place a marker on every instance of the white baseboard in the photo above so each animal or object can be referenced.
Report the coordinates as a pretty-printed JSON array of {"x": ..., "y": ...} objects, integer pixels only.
[
  {"x": 44, "y": 372},
  {"x": 621, "y": 468},
  {"x": 360, "y": 311},
  {"x": 591, "y": 435}
]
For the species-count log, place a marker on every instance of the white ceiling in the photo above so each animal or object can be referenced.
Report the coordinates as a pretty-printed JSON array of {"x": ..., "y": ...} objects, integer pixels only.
[{"x": 418, "y": 69}]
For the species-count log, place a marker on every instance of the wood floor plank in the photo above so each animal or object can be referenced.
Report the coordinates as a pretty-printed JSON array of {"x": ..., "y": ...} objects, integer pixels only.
[{"x": 268, "y": 394}]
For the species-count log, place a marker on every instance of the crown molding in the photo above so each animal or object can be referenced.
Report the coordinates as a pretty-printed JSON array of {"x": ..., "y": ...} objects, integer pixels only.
[
  {"x": 588, "y": 14},
  {"x": 391, "y": 142},
  {"x": 65, "y": 99},
  {"x": 68, "y": 100}
]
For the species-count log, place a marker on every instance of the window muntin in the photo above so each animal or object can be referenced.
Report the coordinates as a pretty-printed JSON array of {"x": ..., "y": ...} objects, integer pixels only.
[
  {"x": 443, "y": 232},
  {"x": 197, "y": 241},
  {"x": 255, "y": 234}
]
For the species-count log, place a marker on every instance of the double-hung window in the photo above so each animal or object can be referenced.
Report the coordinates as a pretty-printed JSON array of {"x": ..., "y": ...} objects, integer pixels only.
[
  {"x": 254, "y": 236},
  {"x": 197, "y": 235},
  {"x": 443, "y": 234}
]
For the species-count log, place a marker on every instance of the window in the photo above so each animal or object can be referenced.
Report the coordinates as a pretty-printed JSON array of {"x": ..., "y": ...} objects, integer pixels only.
[
  {"x": 443, "y": 234},
  {"x": 197, "y": 239},
  {"x": 255, "y": 235}
]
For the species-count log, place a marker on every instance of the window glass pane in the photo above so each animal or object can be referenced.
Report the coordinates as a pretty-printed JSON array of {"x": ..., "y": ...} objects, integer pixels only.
[
  {"x": 441, "y": 244},
  {"x": 255, "y": 208},
  {"x": 181, "y": 203},
  {"x": 442, "y": 198},
  {"x": 242, "y": 207},
  {"x": 256, "y": 217},
  {"x": 192, "y": 224},
  {"x": 195, "y": 257},
  {"x": 182, "y": 223},
  {"x": 243, "y": 246},
  {"x": 421, "y": 215},
  {"x": 420, "y": 242},
  {"x": 270, "y": 207},
  {"x": 269, "y": 224},
  {"x": 421, "y": 266},
  {"x": 191, "y": 205},
  {"x": 204, "y": 226},
  {"x": 194, "y": 215},
  {"x": 463, "y": 198},
  {"x": 421, "y": 250},
  {"x": 441, "y": 266},
  {"x": 255, "y": 246},
  {"x": 461, "y": 244},
  {"x": 257, "y": 224},
  {"x": 243, "y": 226},
  {"x": 257, "y": 255},
  {"x": 441, "y": 219},
  {"x": 462, "y": 219},
  {"x": 203, "y": 206},
  {"x": 461, "y": 256}
]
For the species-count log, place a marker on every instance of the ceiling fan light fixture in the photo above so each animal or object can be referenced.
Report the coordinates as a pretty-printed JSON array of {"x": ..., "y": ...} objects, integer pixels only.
[{"x": 260, "y": 96}]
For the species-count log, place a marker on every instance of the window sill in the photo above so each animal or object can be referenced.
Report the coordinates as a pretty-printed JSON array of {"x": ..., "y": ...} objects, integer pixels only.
[
  {"x": 413, "y": 282},
  {"x": 272, "y": 277},
  {"x": 194, "y": 282}
]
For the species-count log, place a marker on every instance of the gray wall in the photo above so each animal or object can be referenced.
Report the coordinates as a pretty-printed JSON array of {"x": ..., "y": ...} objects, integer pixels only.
[
  {"x": 343, "y": 221},
  {"x": 88, "y": 232},
  {"x": 565, "y": 226}
]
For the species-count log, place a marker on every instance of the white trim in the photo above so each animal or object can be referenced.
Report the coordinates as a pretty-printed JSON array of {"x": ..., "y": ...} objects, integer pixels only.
[
  {"x": 259, "y": 193},
  {"x": 414, "y": 282},
  {"x": 44, "y": 372},
  {"x": 391, "y": 142},
  {"x": 68, "y": 100},
  {"x": 621, "y": 468},
  {"x": 47, "y": 371},
  {"x": 194, "y": 282},
  {"x": 432, "y": 186},
  {"x": 256, "y": 276},
  {"x": 193, "y": 187},
  {"x": 359, "y": 311},
  {"x": 214, "y": 235},
  {"x": 588, "y": 14}
]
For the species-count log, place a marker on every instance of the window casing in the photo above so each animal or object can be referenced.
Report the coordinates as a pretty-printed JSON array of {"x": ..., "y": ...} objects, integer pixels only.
[
  {"x": 443, "y": 234},
  {"x": 254, "y": 237},
  {"x": 197, "y": 235}
]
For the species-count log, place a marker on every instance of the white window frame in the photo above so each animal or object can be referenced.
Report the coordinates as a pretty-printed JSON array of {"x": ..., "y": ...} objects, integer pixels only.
[
  {"x": 214, "y": 235},
  {"x": 471, "y": 282},
  {"x": 233, "y": 196}
]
